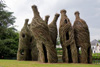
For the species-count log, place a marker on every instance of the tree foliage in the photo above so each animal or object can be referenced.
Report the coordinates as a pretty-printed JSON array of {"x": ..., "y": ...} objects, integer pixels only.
[
  {"x": 8, "y": 34},
  {"x": 99, "y": 41}
]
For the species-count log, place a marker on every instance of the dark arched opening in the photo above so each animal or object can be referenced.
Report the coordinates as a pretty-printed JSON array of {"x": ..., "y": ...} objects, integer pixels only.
[
  {"x": 29, "y": 55},
  {"x": 79, "y": 53},
  {"x": 23, "y": 35},
  {"x": 30, "y": 39},
  {"x": 67, "y": 35},
  {"x": 69, "y": 54},
  {"x": 88, "y": 58},
  {"x": 45, "y": 53},
  {"x": 22, "y": 51}
]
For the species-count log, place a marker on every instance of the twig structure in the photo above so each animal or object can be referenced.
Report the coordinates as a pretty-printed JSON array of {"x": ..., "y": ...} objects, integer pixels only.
[
  {"x": 67, "y": 39},
  {"x": 27, "y": 49},
  {"x": 82, "y": 39},
  {"x": 53, "y": 29},
  {"x": 37, "y": 40},
  {"x": 40, "y": 30},
  {"x": 46, "y": 19}
]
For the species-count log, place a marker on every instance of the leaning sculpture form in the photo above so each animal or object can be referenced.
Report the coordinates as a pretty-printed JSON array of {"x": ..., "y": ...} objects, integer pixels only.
[
  {"x": 23, "y": 49},
  {"x": 82, "y": 39},
  {"x": 33, "y": 47},
  {"x": 46, "y": 19},
  {"x": 26, "y": 46},
  {"x": 67, "y": 39},
  {"x": 40, "y": 30},
  {"x": 53, "y": 29}
]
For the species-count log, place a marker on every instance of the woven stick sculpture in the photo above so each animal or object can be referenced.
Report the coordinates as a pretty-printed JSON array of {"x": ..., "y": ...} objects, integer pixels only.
[
  {"x": 33, "y": 47},
  {"x": 27, "y": 49},
  {"x": 82, "y": 39},
  {"x": 53, "y": 29},
  {"x": 34, "y": 50},
  {"x": 46, "y": 19},
  {"x": 47, "y": 52},
  {"x": 24, "y": 52},
  {"x": 67, "y": 39}
]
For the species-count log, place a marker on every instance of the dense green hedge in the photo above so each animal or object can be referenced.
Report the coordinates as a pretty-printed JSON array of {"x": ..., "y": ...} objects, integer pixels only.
[
  {"x": 58, "y": 48},
  {"x": 59, "y": 51},
  {"x": 95, "y": 56}
]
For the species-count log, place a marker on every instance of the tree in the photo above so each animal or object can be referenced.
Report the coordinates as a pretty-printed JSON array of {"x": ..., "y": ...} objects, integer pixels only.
[
  {"x": 97, "y": 44},
  {"x": 6, "y": 17},
  {"x": 99, "y": 41},
  {"x": 8, "y": 34}
]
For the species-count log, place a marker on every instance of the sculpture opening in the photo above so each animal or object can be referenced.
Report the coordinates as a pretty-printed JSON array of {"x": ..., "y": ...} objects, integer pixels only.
[
  {"x": 79, "y": 53},
  {"x": 31, "y": 39},
  {"x": 30, "y": 56},
  {"x": 22, "y": 51},
  {"x": 69, "y": 54},
  {"x": 65, "y": 21},
  {"x": 88, "y": 54},
  {"x": 45, "y": 53},
  {"x": 23, "y": 35},
  {"x": 67, "y": 35}
]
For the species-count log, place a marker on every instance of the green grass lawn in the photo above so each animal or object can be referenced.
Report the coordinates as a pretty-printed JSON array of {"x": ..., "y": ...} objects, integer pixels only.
[{"x": 15, "y": 63}]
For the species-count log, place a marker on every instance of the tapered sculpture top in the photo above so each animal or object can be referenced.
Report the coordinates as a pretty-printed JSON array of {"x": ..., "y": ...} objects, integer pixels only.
[
  {"x": 77, "y": 15},
  {"x": 55, "y": 18},
  {"x": 26, "y": 22},
  {"x": 53, "y": 29},
  {"x": 40, "y": 30},
  {"x": 46, "y": 19},
  {"x": 25, "y": 27},
  {"x": 63, "y": 11},
  {"x": 35, "y": 11},
  {"x": 64, "y": 19},
  {"x": 38, "y": 24}
]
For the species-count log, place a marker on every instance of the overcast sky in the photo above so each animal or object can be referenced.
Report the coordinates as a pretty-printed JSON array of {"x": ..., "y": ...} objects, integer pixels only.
[{"x": 89, "y": 11}]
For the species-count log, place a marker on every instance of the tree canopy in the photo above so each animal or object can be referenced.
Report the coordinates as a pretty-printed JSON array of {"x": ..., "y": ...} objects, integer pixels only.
[{"x": 8, "y": 34}]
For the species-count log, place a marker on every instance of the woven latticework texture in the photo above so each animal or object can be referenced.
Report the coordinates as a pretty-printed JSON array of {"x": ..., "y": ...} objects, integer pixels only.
[
  {"x": 40, "y": 30},
  {"x": 82, "y": 39},
  {"x": 67, "y": 39},
  {"x": 33, "y": 47},
  {"x": 27, "y": 46},
  {"x": 46, "y": 19},
  {"x": 24, "y": 42},
  {"x": 53, "y": 29}
]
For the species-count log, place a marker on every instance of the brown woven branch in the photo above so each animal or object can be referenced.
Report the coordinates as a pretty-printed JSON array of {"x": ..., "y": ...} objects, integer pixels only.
[
  {"x": 47, "y": 52},
  {"x": 82, "y": 39},
  {"x": 53, "y": 29},
  {"x": 27, "y": 49},
  {"x": 23, "y": 49},
  {"x": 67, "y": 39},
  {"x": 33, "y": 47},
  {"x": 46, "y": 19}
]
